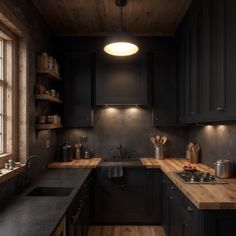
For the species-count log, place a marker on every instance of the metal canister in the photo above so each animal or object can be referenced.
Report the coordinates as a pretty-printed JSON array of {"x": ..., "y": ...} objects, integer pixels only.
[
  {"x": 66, "y": 152},
  {"x": 223, "y": 168}
]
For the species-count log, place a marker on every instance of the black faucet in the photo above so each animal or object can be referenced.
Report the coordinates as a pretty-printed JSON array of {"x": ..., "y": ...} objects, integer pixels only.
[{"x": 27, "y": 178}]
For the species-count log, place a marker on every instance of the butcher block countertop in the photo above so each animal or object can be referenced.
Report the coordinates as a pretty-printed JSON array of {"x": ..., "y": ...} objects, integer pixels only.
[
  {"x": 79, "y": 163},
  {"x": 203, "y": 196}
]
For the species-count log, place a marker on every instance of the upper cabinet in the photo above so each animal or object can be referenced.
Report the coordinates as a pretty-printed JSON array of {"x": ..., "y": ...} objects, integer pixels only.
[
  {"x": 206, "y": 57},
  {"x": 122, "y": 80},
  {"x": 78, "y": 73},
  {"x": 164, "y": 87}
]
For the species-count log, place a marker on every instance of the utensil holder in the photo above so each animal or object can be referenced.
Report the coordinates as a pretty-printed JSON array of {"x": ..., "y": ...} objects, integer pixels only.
[
  {"x": 159, "y": 152},
  {"x": 188, "y": 155},
  {"x": 194, "y": 157}
]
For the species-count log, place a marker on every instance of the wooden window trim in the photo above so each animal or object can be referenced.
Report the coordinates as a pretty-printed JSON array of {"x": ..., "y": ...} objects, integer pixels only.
[
  {"x": 10, "y": 89},
  {"x": 18, "y": 33}
]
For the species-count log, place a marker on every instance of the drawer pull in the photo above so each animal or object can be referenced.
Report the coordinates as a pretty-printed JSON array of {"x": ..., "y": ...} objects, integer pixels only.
[
  {"x": 189, "y": 209},
  {"x": 219, "y": 109},
  {"x": 172, "y": 188}
]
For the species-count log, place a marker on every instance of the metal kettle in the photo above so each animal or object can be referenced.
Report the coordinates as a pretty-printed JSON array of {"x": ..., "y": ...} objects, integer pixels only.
[{"x": 223, "y": 168}]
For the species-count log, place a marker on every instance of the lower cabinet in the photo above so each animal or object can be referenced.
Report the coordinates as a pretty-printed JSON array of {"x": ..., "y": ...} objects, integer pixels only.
[
  {"x": 182, "y": 218},
  {"x": 78, "y": 215},
  {"x": 134, "y": 198}
]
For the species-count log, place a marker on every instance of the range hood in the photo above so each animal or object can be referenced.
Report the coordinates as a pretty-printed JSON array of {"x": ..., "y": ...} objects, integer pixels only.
[{"x": 121, "y": 81}]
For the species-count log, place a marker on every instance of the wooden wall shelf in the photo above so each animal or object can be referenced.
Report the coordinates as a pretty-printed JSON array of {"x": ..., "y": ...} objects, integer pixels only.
[
  {"x": 50, "y": 74},
  {"x": 45, "y": 97},
  {"x": 48, "y": 126}
]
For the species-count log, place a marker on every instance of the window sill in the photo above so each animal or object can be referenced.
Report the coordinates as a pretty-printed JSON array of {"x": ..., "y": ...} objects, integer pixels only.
[{"x": 8, "y": 174}]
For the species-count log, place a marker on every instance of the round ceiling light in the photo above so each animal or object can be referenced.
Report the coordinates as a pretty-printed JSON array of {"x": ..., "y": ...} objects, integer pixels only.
[{"x": 121, "y": 43}]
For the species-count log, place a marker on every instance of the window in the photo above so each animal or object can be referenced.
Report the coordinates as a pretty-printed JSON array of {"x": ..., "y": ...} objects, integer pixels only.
[
  {"x": 7, "y": 96},
  {"x": 1, "y": 97}
]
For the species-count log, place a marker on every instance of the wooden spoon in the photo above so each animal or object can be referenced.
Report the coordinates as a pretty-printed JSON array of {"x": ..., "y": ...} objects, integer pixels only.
[
  {"x": 158, "y": 137},
  {"x": 153, "y": 140},
  {"x": 190, "y": 146},
  {"x": 163, "y": 140}
]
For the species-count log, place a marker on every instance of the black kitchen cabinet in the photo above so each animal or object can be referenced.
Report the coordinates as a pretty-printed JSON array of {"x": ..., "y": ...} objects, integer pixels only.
[
  {"x": 165, "y": 204},
  {"x": 122, "y": 80},
  {"x": 179, "y": 217},
  {"x": 134, "y": 198},
  {"x": 164, "y": 87},
  {"x": 78, "y": 214},
  {"x": 194, "y": 64},
  {"x": 206, "y": 56},
  {"x": 78, "y": 72}
]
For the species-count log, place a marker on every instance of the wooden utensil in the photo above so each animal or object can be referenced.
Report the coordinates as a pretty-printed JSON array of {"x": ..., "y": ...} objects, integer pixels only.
[
  {"x": 190, "y": 145},
  {"x": 163, "y": 140},
  {"x": 196, "y": 148},
  {"x": 158, "y": 137},
  {"x": 153, "y": 140}
]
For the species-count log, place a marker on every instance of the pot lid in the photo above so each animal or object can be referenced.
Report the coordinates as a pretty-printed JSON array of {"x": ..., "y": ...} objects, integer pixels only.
[{"x": 223, "y": 161}]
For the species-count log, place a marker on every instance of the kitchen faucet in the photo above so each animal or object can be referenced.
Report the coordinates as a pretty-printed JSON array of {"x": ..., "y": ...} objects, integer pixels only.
[
  {"x": 121, "y": 150},
  {"x": 27, "y": 178}
]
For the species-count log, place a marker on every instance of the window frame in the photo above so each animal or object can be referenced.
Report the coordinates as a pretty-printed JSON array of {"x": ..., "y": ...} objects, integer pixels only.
[
  {"x": 19, "y": 32},
  {"x": 10, "y": 145}
]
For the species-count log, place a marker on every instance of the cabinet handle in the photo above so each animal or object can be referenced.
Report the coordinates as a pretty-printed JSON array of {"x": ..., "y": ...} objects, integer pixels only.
[
  {"x": 189, "y": 209},
  {"x": 172, "y": 188},
  {"x": 219, "y": 108},
  {"x": 163, "y": 181}
]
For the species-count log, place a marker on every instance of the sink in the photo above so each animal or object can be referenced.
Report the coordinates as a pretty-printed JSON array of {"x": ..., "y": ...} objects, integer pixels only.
[
  {"x": 51, "y": 191},
  {"x": 123, "y": 162}
]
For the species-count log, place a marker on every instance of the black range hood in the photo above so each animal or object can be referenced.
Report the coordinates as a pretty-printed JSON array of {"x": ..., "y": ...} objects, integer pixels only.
[{"x": 122, "y": 81}]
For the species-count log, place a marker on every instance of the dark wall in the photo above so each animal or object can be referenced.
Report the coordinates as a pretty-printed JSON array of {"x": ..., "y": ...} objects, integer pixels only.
[
  {"x": 41, "y": 40},
  {"x": 130, "y": 127},
  {"x": 216, "y": 141}
]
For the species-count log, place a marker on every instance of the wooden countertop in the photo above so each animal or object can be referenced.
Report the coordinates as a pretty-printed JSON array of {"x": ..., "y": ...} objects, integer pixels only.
[
  {"x": 79, "y": 163},
  {"x": 203, "y": 196}
]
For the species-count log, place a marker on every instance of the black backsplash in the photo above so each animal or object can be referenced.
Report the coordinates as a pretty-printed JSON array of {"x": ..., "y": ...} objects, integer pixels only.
[
  {"x": 216, "y": 141},
  {"x": 131, "y": 127}
]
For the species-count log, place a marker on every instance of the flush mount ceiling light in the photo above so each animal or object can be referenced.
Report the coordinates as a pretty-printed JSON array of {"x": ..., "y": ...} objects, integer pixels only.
[{"x": 121, "y": 43}]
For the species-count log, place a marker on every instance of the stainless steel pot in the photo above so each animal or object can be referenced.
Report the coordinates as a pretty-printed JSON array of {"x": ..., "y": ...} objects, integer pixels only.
[{"x": 223, "y": 168}]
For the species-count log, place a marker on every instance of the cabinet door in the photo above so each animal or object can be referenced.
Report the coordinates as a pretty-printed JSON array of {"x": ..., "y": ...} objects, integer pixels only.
[
  {"x": 165, "y": 205},
  {"x": 176, "y": 219},
  {"x": 165, "y": 86},
  {"x": 226, "y": 59},
  {"x": 193, "y": 64},
  {"x": 131, "y": 199},
  {"x": 77, "y": 71},
  {"x": 121, "y": 80}
]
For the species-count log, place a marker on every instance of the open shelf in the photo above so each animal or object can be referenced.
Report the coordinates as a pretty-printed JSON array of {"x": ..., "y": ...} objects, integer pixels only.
[
  {"x": 48, "y": 126},
  {"x": 45, "y": 97},
  {"x": 50, "y": 74}
]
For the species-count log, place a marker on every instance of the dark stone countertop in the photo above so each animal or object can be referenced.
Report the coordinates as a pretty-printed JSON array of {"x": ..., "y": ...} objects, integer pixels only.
[{"x": 39, "y": 216}]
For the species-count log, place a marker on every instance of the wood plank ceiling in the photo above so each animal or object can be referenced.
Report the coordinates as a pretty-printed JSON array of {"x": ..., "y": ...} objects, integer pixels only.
[{"x": 101, "y": 17}]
